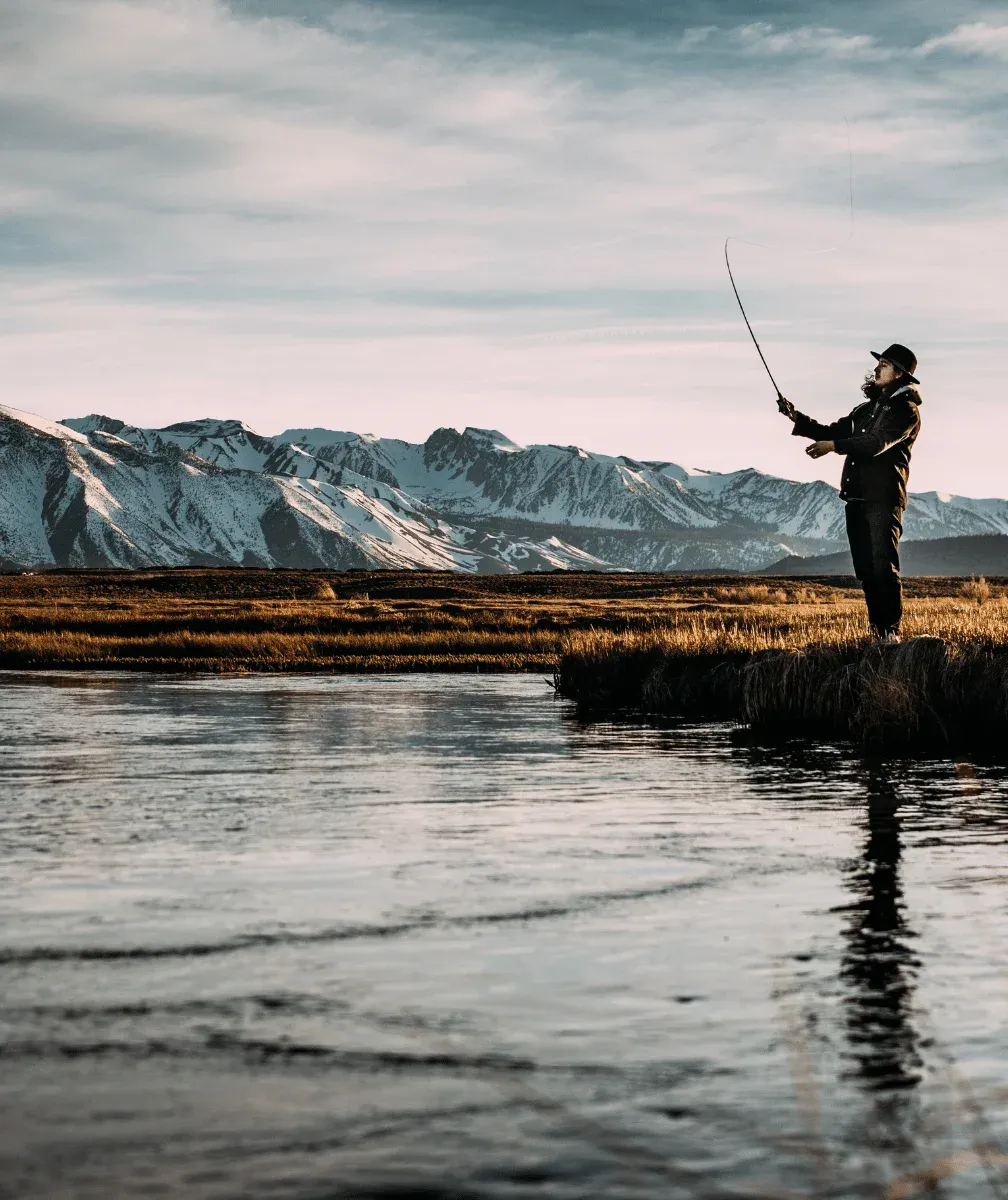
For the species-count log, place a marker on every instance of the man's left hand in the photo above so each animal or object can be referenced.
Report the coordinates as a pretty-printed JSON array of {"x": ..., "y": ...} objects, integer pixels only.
[{"x": 818, "y": 449}]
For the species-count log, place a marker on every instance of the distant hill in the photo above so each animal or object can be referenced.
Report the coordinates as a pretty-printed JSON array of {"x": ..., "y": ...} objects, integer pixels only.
[{"x": 986, "y": 554}]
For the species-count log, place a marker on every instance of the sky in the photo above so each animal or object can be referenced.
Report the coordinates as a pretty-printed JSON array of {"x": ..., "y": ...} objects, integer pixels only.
[{"x": 389, "y": 217}]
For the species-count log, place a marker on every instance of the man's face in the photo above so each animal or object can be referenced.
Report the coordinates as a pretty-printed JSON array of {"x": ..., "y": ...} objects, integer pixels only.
[{"x": 886, "y": 373}]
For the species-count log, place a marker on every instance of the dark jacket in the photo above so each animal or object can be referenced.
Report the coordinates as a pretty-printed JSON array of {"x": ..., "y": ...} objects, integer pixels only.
[{"x": 877, "y": 438}]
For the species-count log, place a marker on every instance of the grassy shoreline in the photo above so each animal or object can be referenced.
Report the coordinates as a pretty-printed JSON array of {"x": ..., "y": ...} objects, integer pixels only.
[
  {"x": 781, "y": 656},
  {"x": 943, "y": 689}
]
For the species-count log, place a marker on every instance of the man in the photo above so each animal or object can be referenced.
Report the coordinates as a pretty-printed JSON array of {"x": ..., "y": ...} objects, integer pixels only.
[{"x": 876, "y": 439}]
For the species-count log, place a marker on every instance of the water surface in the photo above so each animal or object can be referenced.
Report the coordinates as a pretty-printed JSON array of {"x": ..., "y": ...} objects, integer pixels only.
[{"x": 428, "y": 936}]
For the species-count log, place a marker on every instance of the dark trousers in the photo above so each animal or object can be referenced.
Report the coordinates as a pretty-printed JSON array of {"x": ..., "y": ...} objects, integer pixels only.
[{"x": 873, "y": 531}]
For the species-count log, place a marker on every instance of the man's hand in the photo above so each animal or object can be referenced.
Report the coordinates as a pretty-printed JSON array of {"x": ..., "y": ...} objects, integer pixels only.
[
  {"x": 818, "y": 449},
  {"x": 786, "y": 407}
]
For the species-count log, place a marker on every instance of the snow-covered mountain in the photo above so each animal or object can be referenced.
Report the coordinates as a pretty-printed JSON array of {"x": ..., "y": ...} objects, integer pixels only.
[{"x": 97, "y": 491}]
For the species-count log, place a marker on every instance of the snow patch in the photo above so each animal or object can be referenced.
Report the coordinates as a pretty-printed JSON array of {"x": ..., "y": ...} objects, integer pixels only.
[{"x": 42, "y": 425}]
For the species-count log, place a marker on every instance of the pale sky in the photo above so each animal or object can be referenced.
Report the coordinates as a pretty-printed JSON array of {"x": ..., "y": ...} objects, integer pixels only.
[{"x": 387, "y": 217}]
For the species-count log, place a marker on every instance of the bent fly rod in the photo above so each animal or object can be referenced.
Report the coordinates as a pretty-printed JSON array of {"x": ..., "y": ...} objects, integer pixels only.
[
  {"x": 746, "y": 319},
  {"x": 764, "y": 246}
]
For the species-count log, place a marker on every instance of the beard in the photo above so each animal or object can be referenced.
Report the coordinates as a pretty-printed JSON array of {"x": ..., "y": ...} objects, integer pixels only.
[{"x": 870, "y": 389}]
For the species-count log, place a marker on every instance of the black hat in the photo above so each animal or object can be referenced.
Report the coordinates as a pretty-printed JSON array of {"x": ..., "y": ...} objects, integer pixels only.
[{"x": 900, "y": 357}]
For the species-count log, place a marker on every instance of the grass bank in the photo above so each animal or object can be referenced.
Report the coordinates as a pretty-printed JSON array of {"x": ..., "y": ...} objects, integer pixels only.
[
  {"x": 810, "y": 670},
  {"x": 789, "y": 656}
]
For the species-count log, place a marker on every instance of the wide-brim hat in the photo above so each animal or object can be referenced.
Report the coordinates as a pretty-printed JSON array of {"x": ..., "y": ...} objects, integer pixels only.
[{"x": 900, "y": 357}]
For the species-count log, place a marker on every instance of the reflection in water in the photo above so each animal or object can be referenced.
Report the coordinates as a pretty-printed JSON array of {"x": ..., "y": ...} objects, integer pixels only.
[{"x": 878, "y": 965}]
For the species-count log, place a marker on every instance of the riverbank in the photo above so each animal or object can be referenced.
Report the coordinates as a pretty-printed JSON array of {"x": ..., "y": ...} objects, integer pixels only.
[
  {"x": 943, "y": 688},
  {"x": 197, "y": 620}
]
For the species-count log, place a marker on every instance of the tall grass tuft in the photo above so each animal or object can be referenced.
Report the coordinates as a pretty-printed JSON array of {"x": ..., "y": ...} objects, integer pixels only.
[{"x": 977, "y": 589}]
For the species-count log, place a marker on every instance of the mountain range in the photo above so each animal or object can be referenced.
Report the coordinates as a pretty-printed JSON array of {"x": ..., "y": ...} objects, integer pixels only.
[{"x": 97, "y": 491}]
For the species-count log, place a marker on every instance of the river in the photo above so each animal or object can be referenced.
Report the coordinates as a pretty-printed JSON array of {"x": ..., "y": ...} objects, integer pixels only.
[{"x": 429, "y": 936}]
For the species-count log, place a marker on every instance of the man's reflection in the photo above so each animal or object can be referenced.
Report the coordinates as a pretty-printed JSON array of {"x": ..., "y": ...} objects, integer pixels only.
[{"x": 879, "y": 967}]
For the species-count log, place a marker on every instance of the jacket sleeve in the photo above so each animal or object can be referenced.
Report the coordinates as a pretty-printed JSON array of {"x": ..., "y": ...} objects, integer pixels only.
[
  {"x": 899, "y": 422},
  {"x": 805, "y": 427}
]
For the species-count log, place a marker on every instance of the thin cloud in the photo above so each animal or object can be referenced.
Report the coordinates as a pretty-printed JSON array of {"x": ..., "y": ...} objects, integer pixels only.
[
  {"x": 763, "y": 38},
  {"x": 978, "y": 38}
]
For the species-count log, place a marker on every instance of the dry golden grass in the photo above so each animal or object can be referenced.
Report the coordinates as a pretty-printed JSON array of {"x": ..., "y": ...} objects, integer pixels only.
[
  {"x": 977, "y": 589},
  {"x": 754, "y": 627},
  {"x": 289, "y": 620},
  {"x": 236, "y": 620},
  {"x": 810, "y": 668}
]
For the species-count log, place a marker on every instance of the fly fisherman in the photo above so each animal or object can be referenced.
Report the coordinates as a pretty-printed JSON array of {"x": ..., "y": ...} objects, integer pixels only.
[{"x": 877, "y": 439}]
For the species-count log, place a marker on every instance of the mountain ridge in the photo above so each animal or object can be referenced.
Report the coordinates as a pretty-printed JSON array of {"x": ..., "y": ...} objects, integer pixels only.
[
  {"x": 980, "y": 554},
  {"x": 99, "y": 491}
]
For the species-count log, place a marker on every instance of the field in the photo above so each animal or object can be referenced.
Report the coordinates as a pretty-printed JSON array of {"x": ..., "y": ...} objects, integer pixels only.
[
  {"x": 251, "y": 620},
  {"x": 780, "y": 655}
]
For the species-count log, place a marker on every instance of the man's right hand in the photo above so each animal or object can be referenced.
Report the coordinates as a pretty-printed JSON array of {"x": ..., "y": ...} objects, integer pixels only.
[{"x": 786, "y": 407}]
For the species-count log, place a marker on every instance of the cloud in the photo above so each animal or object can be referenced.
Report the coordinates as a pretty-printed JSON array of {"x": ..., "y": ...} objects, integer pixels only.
[
  {"x": 901, "y": 23},
  {"x": 385, "y": 216},
  {"x": 763, "y": 38},
  {"x": 978, "y": 38}
]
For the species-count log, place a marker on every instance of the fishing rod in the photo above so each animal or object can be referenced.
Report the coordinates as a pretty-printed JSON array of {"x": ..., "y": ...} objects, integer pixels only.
[
  {"x": 764, "y": 246},
  {"x": 746, "y": 319}
]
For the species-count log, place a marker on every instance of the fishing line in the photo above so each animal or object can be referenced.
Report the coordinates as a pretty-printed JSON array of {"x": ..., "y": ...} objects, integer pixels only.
[{"x": 782, "y": 249}]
